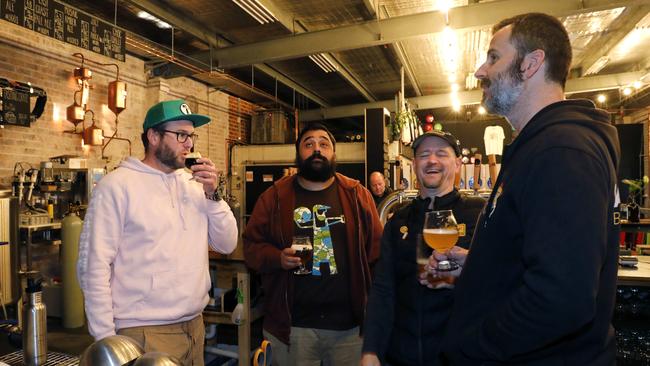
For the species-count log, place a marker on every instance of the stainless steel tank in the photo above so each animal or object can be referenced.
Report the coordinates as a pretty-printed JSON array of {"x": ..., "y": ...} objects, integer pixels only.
[
  {"x": 393, "y": 201},
  {"x": 157, "y": 359},
  {"x": 114, "y": 350}
]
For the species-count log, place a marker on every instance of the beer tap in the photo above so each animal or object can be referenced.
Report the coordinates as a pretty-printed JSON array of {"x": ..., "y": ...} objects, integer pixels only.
[{"x": 33, "y": 176}]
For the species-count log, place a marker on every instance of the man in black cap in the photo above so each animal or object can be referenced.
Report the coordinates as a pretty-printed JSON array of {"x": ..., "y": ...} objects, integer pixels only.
[
  {"x": 405, "y": 320},
  {"x": 315, "y": 317},
  {"x": 143, "y": 251}
]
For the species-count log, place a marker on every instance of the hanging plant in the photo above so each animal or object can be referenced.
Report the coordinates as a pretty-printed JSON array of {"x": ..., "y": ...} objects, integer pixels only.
[{"x": 402, "y": 119}]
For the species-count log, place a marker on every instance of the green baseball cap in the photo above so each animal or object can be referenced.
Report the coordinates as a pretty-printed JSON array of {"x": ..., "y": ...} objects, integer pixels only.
[{"x": 172, "y": 110}]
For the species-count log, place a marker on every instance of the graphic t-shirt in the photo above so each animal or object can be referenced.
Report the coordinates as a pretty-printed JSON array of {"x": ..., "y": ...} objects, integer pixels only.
[{"x": 322, "y": 298}]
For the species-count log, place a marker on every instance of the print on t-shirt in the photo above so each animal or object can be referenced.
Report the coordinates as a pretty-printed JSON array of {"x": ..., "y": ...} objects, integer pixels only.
[{"x": 323, "y": 248}]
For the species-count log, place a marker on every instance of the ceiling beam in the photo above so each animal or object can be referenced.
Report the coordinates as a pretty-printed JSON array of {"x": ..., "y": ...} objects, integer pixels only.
[
  {"x": 179, "y": 20},
  {"x": 342, "y": 69},
  {"x": 622, "y": 26},
  {"x": 297, "y": 28},
  {"x": 581, "y": 85},
  {"x": 384, "y": 31},
  {"x": 209, "y": 36},
  {"x": 398, "y": 48}
]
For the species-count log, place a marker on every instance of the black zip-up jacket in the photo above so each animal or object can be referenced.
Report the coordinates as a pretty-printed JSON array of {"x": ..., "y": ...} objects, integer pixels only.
[
  {"x": 405, "y": 320},
  {"x": 539, "y": 283}
]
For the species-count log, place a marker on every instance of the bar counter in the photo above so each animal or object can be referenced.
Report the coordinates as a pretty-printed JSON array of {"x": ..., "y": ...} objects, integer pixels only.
[{"x": 635, "y": 276}]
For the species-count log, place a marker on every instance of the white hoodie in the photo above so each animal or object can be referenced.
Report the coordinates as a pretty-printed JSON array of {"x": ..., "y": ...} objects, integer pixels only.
[{"x": 143, "y": 253}]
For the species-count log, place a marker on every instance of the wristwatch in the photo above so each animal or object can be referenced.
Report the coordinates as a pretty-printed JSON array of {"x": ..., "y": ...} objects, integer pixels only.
[{"x": 216, "y": 196}]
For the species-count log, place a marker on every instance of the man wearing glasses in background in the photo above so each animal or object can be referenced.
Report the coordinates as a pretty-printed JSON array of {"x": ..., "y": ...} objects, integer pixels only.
[{"x": 143, "y": 253}]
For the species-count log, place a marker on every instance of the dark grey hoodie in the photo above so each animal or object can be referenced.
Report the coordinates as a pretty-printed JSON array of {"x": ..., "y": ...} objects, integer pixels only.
[{"x": 539, "y": 284}]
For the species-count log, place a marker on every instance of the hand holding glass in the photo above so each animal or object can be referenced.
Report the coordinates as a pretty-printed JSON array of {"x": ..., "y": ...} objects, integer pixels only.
[
  {"x": 440, "y": 232},
  {"x": 191, "y": 159},
  {"x": 304, "y": 250}
]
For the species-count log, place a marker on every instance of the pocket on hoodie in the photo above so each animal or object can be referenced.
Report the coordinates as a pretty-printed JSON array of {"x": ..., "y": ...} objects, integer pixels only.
[
  {"x": 174, "y": 294},
  {"x": 158, "y": 293}
]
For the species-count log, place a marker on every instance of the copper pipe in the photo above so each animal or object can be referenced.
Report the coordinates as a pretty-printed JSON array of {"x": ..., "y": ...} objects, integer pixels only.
[
  {"x": 155, "y": 52},
  {"x": 114, "y": 137},
  {"x": 77, "y": 54}
]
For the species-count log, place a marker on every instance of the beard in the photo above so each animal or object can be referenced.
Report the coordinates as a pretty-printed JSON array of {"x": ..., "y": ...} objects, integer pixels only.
[
  {"x": 316, "y": 171},
  {"x": 504, "y": 89},
  {"x": 167, "y": 157}
]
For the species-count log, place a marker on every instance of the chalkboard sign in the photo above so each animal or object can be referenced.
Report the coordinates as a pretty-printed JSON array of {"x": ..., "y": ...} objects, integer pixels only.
[
  {"x": 15, "y": 108},
  {"x": 65, "y": 23}
]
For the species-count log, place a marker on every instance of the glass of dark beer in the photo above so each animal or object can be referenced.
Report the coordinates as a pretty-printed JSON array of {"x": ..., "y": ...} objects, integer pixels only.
[
  {"x": 191, "y": 159},
  {"x": 303, "y": 249}
]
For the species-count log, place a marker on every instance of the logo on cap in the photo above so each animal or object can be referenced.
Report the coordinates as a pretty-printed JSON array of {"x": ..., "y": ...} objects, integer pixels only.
[{"x": 185, "y": 109}]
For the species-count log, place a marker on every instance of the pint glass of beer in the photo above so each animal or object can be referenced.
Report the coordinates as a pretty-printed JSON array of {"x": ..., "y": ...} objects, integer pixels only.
[
  {"x": 304, "y": 249},
  {"x": 440, "y": 232}
]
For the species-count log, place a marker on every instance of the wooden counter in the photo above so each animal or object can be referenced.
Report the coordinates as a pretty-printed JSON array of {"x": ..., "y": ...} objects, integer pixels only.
[
  {"x": 632, "y": 227},
  {"x": 639, "y": 276}
]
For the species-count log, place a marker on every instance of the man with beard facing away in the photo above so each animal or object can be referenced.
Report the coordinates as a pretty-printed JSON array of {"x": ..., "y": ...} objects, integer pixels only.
[
  {"x": 538, "y": 285},
  {"x": 143, "y": 251},
  {"x": 316, "y": 317},
  {"x": 405, "y": 320}
]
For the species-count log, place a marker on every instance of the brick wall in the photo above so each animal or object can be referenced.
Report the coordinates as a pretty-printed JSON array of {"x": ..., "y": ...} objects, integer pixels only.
[{"x": 47, "y": 63}]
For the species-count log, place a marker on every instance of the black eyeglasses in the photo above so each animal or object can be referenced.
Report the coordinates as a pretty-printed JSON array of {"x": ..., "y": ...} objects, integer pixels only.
[{"x": 182, "y": 136}]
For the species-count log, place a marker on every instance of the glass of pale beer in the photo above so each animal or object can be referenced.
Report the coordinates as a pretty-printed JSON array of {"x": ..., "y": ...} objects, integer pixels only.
[
  {"x": 303, "y": 249},
  {"x": 440, "y": 232}
]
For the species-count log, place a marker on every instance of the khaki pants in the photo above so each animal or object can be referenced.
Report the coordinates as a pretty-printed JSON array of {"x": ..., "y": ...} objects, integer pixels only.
[
  {"x": 181, "y": 340},
  {"x": 316, "y": 347}
]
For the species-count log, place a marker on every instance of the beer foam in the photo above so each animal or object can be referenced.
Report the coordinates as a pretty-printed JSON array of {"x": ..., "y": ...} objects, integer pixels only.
[
  {"x": 195, "y": 155},
  {"x": 300, "y": 247},
  {"x": 445, "y": 231}
]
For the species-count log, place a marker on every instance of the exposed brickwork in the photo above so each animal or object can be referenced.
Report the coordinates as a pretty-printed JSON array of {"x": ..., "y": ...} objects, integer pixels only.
[{"x": 48, "y": 63}]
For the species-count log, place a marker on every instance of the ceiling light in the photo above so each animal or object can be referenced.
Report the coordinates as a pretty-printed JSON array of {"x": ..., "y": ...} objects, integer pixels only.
[
  {"x": 163, "y": 25},
  {"x": 144, "y": 15},
  {"x": 256, "y": 10},
  {"x": 601, "y": 98},
  {"x": 157, "y": 21},
  {"x": 597, "y": 66},
  {"x": 444, "y": 5},
  {"x": 627, "y": 91},
  {"x": 637, "y": 84},
  {"x": 455, "y": 102},
  {"x": 481, "y": 110},
  {"x": 323, "y": 61}
]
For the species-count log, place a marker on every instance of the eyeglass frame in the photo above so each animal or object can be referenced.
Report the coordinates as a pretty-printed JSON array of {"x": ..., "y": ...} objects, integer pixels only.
[{"x": 191, "y": 136}]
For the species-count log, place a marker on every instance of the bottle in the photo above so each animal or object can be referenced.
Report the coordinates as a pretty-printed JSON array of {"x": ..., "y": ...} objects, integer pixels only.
[
  {"x": 34, "y": 325},
  {"x": 237, "y": 315},
  {"x": 50, "y": 209}
]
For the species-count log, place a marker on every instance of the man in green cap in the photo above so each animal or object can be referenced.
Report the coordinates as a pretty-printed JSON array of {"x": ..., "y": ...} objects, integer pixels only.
[{"x": 143, "y": 253}]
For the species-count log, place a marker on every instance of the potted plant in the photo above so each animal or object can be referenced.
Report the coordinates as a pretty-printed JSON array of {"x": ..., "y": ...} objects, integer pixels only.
[{"x": 634, "y": 197}]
